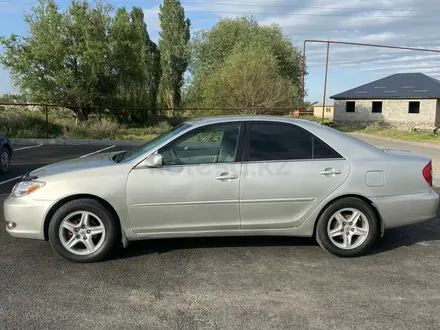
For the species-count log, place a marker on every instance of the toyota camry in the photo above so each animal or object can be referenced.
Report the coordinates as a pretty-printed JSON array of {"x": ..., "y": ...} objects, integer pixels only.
[{"x": 225, "y": 176}]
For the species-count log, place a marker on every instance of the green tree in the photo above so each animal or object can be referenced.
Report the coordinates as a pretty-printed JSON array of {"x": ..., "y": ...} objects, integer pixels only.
[
  {"x": 212, "y": 48},
  {"x": 65, "y": 58},
  {"x": 85, "y": 58},
  {"x": 249, "y": 78},
  {"x": 136, "y": 63},
  {"x": 174, "y": 51}
]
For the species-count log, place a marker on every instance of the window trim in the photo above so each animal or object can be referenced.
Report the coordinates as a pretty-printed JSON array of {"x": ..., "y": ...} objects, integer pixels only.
[
  {"x": 198, "y": 129},
  {"x": 246, "y": 150}
]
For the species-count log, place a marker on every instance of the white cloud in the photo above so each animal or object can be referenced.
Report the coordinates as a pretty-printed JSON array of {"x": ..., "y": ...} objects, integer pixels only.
[
  {"x": 379, "y": 37},
  {"x": 411, "y": 23}
]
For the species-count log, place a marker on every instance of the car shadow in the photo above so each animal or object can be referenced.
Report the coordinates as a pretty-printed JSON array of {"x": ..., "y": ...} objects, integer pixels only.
[
  {"x": 425, "y": 234},
  {"x": 161, "y": 246}
]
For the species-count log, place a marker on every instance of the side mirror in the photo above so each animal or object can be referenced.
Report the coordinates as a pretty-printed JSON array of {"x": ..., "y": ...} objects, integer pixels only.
[{"x": 154, "y": 160}]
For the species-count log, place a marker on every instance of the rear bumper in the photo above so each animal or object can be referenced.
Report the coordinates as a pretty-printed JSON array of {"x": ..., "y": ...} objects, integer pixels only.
[{"x": 403, "y": 210}]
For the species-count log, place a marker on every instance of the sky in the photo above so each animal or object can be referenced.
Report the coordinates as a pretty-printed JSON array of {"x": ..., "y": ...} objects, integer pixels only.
[{"x": 408, "y": 23}]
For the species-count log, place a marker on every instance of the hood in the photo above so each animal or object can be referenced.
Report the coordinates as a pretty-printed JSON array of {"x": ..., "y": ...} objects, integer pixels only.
[{"x": 75, "y": 164}]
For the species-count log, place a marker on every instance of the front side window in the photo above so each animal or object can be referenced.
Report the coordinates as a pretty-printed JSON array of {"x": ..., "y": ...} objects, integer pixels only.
[
  {"x": 272, "y": 142},
  {"x": 214, "y": 144},
  {"x": 136, "y": 152}
]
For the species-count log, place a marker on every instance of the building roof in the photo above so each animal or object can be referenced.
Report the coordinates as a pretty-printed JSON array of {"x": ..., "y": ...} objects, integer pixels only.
[{"x": 396, "y": 86}]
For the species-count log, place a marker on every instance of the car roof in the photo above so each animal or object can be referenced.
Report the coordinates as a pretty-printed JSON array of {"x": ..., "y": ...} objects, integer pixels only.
[{"x": 221, "y": 119}]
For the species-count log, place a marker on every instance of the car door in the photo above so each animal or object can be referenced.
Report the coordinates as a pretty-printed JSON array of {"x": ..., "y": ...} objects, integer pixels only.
[
  {"x": 196, "y": 189},
  {"x": 286, "y": 173}
]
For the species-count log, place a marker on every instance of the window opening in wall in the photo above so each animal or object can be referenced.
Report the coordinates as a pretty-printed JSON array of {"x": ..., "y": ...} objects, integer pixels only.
[
  {"x": 414, "y": 107},
  {"x": 350, "y": 106},
  {"x": 377, "y": 107}
]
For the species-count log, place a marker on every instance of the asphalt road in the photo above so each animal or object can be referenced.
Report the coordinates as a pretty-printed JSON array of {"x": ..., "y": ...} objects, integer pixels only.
[{"x": 221, "y": 283}]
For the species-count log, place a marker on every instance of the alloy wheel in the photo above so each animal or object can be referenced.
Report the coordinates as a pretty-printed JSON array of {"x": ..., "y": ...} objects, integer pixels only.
[
  {"x": 348, "y": 228},
  {"x": 5, "y": 160},
  {"x": 82, "y": 233}
]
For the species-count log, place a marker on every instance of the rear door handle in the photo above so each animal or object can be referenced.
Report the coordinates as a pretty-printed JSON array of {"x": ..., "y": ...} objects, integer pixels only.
[
  {"x": 227, "y": 176},
  {"x": 330, "y": 171}
]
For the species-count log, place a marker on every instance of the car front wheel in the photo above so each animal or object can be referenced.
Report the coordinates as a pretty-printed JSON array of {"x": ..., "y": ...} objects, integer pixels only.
[
  {"x": 83, "y": 230},
  {"x": 347, "y": 228}
]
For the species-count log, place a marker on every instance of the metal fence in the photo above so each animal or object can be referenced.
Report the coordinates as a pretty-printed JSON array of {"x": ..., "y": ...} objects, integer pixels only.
[{"x": 42, "y": 118}]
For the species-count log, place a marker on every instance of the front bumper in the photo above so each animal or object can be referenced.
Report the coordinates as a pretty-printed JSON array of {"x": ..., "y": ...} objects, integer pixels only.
[
  {"x": 28, "y": 216},
  {"x": 403, "y": 210}
]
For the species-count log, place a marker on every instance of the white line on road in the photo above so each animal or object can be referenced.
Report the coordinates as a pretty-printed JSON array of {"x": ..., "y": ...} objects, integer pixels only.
[
  {"x": 97, "y": 152},
  {"x": 30, "y": 147},
  {"x": 10, "y": 180}
]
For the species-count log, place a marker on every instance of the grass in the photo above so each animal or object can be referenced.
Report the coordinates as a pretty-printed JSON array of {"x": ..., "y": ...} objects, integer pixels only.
[
  {"x": 382, "y": 130},
  {"x": 31, "y": 124},
  {"x": 391, "y": 133},
  {"x": 62, "y": 125},
  {"x": 402, "y": 135}
]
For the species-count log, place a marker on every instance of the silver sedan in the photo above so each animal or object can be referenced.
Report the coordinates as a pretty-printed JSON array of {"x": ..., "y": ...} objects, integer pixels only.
[{"x": 225, "y": 176}]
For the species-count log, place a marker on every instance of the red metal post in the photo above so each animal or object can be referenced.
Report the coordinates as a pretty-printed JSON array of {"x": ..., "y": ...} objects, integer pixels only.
[
  {"x": 325, "y": 82},
  {"x": 46, "y": 128},
  {"x": 374, "y": 45}
]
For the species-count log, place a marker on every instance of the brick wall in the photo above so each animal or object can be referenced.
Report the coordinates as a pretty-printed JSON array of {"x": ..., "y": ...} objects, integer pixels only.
[
  {"x": 437, "y": 117},
  {"x": 393, "y": 112}
]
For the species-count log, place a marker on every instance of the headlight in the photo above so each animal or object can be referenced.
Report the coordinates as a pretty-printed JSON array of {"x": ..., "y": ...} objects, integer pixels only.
[{"x": 26, "y": 187}]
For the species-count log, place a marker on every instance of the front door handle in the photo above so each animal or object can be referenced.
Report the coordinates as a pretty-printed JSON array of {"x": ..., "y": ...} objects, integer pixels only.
[
  {"x": 227, "y": 176},
  {"x": 330, "y": 172}
]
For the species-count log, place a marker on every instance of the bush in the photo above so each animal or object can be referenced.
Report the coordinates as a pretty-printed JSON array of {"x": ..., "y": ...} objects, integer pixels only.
[
  {"x": 14, "y": 124},
  {"x": 95, "y": 129},
  {"x": 31, "y": 124}
]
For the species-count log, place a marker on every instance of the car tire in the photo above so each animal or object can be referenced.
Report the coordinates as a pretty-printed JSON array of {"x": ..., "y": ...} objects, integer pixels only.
[
  {"x": 83, "y": 231},
  {"x": 5, "y": 160},
  {"x": 339, "y": 233}
]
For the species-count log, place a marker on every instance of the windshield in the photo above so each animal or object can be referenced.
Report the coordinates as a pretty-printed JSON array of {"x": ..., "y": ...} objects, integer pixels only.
[{"x": 132, "y": 154}]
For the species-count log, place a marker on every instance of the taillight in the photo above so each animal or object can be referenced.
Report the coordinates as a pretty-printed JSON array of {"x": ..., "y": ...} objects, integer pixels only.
[{"x": 427, "y": 173}]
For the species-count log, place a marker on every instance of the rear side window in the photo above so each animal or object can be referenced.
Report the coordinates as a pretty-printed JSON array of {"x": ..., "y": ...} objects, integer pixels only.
[
  {"x": 323, "y": 151},
  {"x": 271, "y": 142}
]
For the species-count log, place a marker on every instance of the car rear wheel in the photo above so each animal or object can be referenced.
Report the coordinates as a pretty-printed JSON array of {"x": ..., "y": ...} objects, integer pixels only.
[
  {"x": 347, "y": 228},
  {"x": 83, "y": 230},
  {"x": 5, "y": 160}
]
